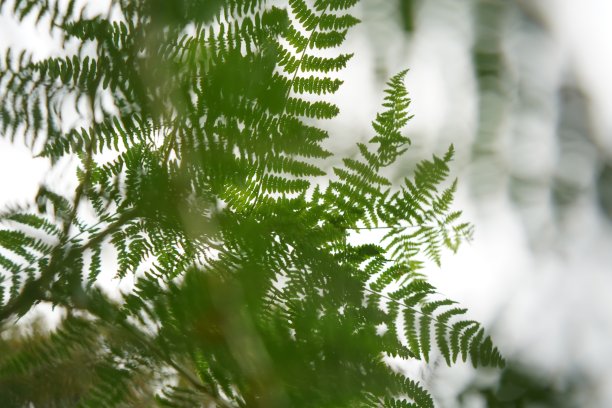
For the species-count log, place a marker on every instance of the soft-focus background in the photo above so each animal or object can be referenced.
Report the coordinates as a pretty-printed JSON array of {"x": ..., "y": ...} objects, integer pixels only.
[{"x": 523, "y": 89}]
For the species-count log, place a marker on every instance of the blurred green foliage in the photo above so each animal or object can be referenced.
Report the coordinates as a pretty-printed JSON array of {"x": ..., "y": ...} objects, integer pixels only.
[{"x": 197, "y": 180}]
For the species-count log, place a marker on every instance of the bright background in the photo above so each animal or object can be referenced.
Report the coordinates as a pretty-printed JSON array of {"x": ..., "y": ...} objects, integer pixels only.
[{"x": 533, "y": 134}]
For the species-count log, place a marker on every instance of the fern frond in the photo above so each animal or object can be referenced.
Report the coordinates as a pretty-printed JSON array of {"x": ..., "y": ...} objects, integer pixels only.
[
  {"x": 196, "y": 130},
  {"x": 416, "y": 393}
]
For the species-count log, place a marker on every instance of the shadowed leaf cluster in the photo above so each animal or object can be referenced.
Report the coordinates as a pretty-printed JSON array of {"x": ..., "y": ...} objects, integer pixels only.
[{"x": 198, "y": 160}]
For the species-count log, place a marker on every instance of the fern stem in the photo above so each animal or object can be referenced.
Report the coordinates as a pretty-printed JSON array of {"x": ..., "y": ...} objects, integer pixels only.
[
  {"x": 386, "y": 227},
  {"x": 33, "y": 290}
]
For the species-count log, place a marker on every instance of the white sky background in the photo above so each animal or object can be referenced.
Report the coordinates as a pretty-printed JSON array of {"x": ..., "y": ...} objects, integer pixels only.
[{"x": 551, "y": 306}]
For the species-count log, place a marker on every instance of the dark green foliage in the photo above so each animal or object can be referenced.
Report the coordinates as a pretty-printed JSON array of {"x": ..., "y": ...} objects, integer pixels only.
[
  {"x": 521, "y": 386},
  {"x": 63, "y": 370},
  {"x": 248, "y": 291}
]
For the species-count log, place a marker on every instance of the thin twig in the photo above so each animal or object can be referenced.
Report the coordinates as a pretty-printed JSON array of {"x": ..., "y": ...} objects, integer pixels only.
[{"x": 386, "y": 227}]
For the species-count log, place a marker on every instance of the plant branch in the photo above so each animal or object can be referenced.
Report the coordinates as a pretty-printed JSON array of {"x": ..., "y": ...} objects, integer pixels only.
[{"x": 33, "y": 291}]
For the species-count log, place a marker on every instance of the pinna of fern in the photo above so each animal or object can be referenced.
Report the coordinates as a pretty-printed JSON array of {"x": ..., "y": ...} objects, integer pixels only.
[{"x": 247, "y": 290}]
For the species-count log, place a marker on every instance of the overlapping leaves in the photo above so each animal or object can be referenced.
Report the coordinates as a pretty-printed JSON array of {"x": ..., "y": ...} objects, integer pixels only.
[{"x": 247, "y": 289}]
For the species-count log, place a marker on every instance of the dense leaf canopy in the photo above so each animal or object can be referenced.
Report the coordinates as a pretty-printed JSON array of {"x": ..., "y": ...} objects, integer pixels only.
[{"x": 200, "y": 177}]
